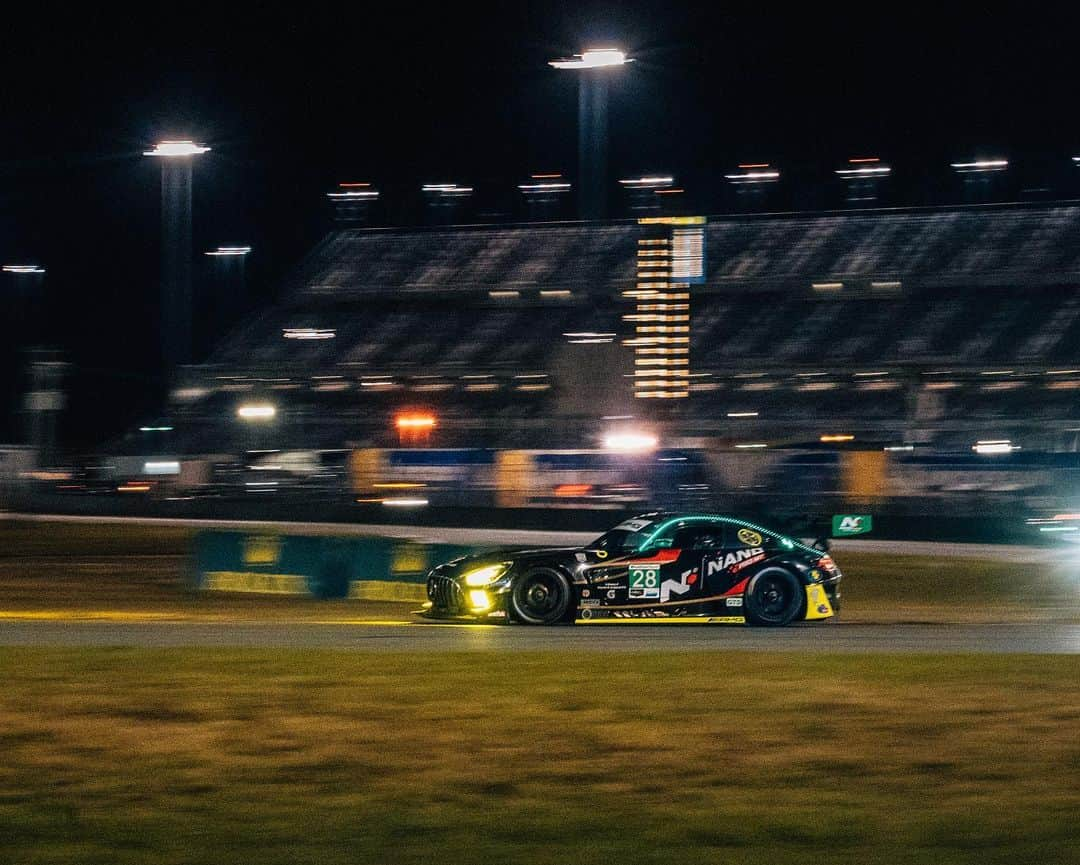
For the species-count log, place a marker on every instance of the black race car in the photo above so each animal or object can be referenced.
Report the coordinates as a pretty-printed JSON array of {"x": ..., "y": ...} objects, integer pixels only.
[{"x": 657, "y": 567}]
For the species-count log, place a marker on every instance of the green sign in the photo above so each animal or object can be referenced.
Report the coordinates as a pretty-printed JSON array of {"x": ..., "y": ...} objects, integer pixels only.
[
  {"x": 844, "y": 525},
  {"x": 644, "y": 581}
]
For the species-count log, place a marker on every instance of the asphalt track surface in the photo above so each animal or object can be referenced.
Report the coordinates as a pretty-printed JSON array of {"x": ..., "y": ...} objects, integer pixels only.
[{"x": 405, "y": 636}]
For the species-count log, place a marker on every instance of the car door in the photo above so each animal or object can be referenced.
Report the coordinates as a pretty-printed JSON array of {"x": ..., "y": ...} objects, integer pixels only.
[{"x": 744, "y": 547}]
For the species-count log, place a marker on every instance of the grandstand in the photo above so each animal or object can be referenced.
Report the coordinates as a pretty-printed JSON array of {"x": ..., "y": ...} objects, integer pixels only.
[{"x": 918, "y": 324}]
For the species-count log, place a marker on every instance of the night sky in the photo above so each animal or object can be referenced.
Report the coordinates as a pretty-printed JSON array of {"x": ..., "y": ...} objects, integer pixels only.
[{"x": 397, "y": 95}]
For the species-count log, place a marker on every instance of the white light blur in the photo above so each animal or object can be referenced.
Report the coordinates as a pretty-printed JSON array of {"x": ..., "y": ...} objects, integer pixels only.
[
  {"x": 155, "y": 429},
  {"x": 309, "y": 333},
  {"x": 256, "y": 411},
  {"x": 865, "y": 171},
  {"x": 185, "y": 147},
  {"x": 751, "y": 446},
  {"x": 742, "y": 414},
  {"x": 229, "y": 250},
  {"x": 754, "y": 177},
  {"x": 354, "y": 193},
  {"x": 649, "y": 180},
  {"x": 543, "y": 187},
  {"x": 23, "y": 268},
  {"x": 899, "y": 448},
  {"x": 592, "y": 58},
  {"x": 446, "y": 188},
  {"x": 161, "y": 467},
  {"x": 405, "y": 503},
  {"x": 995, "y": 446},
  {"x": 630, "y": 442},
  {"x": 981, "y": 165}
]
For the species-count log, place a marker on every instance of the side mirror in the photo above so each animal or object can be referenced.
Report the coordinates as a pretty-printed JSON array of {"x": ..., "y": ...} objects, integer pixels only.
[{"x": 822, "y": 544}]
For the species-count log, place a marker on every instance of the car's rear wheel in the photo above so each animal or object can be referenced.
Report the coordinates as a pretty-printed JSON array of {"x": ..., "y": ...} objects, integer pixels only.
[
  {"x": 541, "y": 596},
  {"x": 773, "y": 597}
]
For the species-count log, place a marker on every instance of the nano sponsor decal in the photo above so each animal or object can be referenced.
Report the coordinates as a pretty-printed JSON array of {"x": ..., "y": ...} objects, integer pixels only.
[
  {"x": 749, "y": 537},
  {"x": 680, "y": 586},
  {"x": 590, "y": 602},
  {"x": 721, "y": 562},
  {"x": 851, "y": 524},
  {"x": 753, "y": 560}
]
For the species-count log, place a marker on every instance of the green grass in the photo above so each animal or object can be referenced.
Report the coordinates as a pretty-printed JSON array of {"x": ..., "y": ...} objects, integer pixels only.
[{"x": 221, "y": 756}]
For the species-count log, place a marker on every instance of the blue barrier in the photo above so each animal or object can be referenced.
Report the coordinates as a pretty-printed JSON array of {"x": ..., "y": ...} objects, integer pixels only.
[{"x": 373, "y": 569}]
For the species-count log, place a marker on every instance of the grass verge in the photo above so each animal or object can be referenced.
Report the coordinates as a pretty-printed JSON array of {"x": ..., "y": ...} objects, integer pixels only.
[{"x": 221, "y": 756}]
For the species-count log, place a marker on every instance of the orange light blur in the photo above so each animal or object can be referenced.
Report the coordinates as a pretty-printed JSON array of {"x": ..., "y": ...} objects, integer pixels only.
[
  {"x": 131, "y": 487},
  {"x": 753, "y": 165},
  {"x": 415, "y": 421},
  {"x": 856, "y": 160},
  {"x": 568, "y": 490},
  {"x": 839, "y": 437},
  {"x": 352, "y": 185}
]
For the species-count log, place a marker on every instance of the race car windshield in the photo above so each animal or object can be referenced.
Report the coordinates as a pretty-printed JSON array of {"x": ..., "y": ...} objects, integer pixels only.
[{"x": 619, "y": 541}]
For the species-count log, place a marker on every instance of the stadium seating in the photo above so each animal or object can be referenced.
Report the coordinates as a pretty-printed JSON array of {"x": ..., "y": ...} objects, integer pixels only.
[{"x": 810, "y": 302}]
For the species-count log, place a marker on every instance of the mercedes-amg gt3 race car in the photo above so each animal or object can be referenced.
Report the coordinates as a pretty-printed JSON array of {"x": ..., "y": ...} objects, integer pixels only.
[{"x": 657, "y": 567}]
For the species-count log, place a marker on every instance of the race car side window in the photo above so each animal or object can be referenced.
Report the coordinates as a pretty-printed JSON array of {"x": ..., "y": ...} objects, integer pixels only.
[{"x": 704, "y": 536}]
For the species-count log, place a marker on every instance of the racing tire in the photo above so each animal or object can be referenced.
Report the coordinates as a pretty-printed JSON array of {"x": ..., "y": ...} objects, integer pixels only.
[
  {"x": 774, "y": 598},
  {"x": 542, "y": 596}
]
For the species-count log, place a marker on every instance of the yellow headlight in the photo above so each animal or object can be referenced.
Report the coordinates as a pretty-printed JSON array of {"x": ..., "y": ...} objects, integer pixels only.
[
  {"x": 485, "y": 576},
  {"x": 479, "y": 600}
]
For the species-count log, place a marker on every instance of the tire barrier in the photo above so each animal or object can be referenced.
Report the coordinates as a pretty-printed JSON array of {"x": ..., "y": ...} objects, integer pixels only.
[{"x": 363, "y": 568}]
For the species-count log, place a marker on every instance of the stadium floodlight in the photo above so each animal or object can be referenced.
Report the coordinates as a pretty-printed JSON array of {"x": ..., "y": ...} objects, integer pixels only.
[
  {"x": 173, "y": 148},
  {"x": 980, "y": 165},
  {"x": 994, "y": 446},
  {"x": 229, "y": 250},
  {"x": 256, "y": 411},
  {"x": 592, "y": 58},
  {"x": 630, "y": 442},
  {"x": 23, "y": 268}
]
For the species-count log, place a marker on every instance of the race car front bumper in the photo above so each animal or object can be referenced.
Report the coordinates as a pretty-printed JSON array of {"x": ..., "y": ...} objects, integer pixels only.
[{"x": 449, "y": 600}]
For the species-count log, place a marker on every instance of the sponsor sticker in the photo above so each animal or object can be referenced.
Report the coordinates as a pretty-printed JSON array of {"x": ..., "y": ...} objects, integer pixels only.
[
  {"x": 633, "y": 525},
  {"x": 851, "y": 524},
  {"x": 733, "y": 561},
  {"x": 749, "y": 537},
  {"x": 734, "y": 602},
  {"x": 644, "y": 581},
  {"x": 590, "y": 602},
  {"x": 680, "y": 586}
]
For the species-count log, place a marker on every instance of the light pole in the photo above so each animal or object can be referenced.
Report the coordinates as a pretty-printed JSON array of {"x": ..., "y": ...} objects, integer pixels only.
[
  {"x": 176, "y": 251},
  {"x": 593, "y": 66}
]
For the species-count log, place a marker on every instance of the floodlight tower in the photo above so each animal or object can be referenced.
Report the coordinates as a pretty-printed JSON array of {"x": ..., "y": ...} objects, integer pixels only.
[
  {"x": 176, "y": 251},
  {"x": 594, "y": 67}
]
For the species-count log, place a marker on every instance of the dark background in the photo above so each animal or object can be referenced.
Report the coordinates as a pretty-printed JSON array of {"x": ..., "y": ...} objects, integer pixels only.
[{"x": 293, "y": 102}]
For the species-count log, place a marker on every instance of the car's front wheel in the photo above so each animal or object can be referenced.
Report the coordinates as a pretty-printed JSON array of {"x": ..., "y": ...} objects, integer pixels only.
[
  {"x": 773, "y": 597},
  {"x": 541, "y": 596}
]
